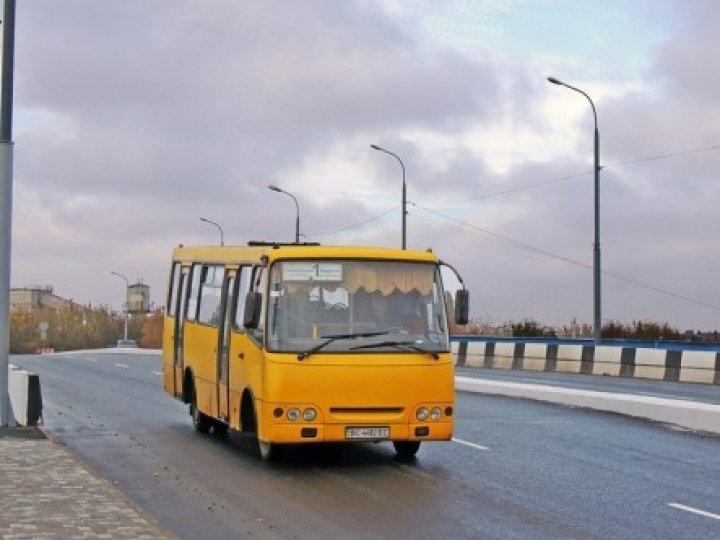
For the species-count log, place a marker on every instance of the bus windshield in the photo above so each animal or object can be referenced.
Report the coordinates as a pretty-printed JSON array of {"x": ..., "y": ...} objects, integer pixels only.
[{"x": 359, "y": 306}]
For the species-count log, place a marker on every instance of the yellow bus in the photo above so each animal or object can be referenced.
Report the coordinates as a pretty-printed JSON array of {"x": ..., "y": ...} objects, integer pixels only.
[{"x": 302, "y": 343}]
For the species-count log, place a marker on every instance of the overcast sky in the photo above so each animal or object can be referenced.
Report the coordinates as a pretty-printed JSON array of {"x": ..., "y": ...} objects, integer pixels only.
[{"x": 135, "y": 118}]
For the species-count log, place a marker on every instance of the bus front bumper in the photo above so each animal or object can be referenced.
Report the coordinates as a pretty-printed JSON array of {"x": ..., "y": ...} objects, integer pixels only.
[{"x": 318, "y": 432}]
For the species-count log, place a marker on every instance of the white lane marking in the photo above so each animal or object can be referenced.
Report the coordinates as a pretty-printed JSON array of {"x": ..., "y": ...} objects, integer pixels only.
[
  {"x": 91, "y": 359},
  {"x": 695, "y": 511},
  {"x": 124, "y": 366},
  {"x": 157, "y": 372},
  {"x": 471, "y": 445}
]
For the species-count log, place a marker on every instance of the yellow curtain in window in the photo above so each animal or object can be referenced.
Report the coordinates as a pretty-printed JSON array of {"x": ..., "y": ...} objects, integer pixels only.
[{"x": 387, "y": 277}]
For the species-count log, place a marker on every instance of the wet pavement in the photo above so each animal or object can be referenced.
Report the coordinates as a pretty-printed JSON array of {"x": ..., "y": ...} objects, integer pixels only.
[{"x": 45, "y": 492}]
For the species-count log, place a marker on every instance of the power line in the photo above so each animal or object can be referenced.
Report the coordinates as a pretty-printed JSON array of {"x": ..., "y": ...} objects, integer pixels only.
[
  {"x": 560, "y": 179},
  {"x": 529, "y": 187},
  {"x": 528, "y": 247},
  {"x": 665, "y": 156},
  {"x": 355, "y": 225}
]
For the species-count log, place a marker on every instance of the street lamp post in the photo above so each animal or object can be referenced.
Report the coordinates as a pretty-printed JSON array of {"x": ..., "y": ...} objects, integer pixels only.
[
  {"x": 127, "y": 285},
  {"x": 597, "y": 318},
  {"x": 297, "y": 210},
  {"x": 404, "y": 192},
  {"x": 6, "y": 190},
  {"x": 222, "y": 234}
]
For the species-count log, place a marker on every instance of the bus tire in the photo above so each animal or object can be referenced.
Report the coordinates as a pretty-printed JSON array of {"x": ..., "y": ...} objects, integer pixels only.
[
  {"x": 220, "y": 428},
  {"x": 201, "y": 422},
  {"x": 406, "y": 449},
  {"x": 270, "y": 451}
]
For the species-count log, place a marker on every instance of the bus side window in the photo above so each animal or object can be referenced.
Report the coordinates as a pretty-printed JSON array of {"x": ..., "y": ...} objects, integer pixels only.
[
  {"x": 257, "y": 286},
  {"x": 194, "y": 292},
  {"x": 211, "y": 294},
  {"x": 174, "y": 289},
  {"x": 244, "y": 280}
]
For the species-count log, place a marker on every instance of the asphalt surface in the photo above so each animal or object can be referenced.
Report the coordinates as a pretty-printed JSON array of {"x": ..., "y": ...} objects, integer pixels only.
[{"x": 517, "y": 468}]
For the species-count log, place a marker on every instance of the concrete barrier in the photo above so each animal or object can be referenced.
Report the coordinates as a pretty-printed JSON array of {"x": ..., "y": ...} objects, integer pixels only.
[
  {"x": 700, "y": 367},
  {"x": 25, "y": 396},
  {"x": 607, "y": 361},
  {"x": 659, "y": 364}
]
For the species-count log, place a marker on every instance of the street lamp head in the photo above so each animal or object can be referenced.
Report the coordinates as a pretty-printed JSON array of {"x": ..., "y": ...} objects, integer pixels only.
[
  {"x": 118, "y": 274},
  {"x": 404, "y": 189},
  {"x": 273, "y": 187},
  {"x": 219, "y": 228},
  {"x": 554, "y": 80}
]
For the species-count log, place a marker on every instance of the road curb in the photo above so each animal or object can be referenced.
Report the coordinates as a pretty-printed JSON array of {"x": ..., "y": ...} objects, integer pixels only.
[{"x": 691, "y": 415}]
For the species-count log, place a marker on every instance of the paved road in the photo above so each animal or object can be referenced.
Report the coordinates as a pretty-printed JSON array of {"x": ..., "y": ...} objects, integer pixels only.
[{"x": 518, "y": 469}]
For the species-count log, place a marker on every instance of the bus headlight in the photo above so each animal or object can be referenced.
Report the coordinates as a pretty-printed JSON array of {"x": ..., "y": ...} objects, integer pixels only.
[
  {"x": 435, "y": 413},
  {"x": 422, "y": 414},
  {"x": 309, "y": 415},
  {"x": 293, "y": 414}
]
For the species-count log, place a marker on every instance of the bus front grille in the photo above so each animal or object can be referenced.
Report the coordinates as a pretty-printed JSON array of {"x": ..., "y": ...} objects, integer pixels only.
[
  {"x": 367, "y": 414},
  {"x": 367, "y": 410}
]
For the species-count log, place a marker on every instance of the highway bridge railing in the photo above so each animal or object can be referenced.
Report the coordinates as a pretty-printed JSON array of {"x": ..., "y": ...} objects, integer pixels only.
[{"x": 663, "y": 360}]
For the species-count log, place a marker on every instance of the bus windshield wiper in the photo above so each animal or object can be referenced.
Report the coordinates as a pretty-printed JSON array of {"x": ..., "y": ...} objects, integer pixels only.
[
  {"x": 402, "y": 345},
  {"x": 335, "y": 337}
]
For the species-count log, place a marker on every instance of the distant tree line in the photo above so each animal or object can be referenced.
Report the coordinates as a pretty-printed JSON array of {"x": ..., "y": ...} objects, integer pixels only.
[
  {"x": 640, "y": 330},
  {"x": 77, "y": 327}
]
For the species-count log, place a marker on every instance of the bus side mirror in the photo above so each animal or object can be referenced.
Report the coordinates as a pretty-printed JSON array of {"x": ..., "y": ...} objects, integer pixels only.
[
  {"x": 462, "y": 306},
  {"x": 253, "y": 305}
]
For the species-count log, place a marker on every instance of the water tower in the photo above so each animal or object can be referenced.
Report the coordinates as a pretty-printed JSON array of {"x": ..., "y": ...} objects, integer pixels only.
[{"x": 138, "y": 299}]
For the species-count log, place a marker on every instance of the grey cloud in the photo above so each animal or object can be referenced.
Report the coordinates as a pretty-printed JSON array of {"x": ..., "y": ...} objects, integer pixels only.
[{"x": 184, "y": 109}]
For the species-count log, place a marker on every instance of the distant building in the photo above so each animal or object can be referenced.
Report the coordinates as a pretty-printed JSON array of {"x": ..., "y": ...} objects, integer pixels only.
[{"x": 36, "y": 297}]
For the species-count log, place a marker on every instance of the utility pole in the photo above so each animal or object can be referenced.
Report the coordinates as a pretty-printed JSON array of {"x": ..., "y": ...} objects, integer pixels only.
[
  {"x": 403, "y": 233},
  {"x": 127, "y": 307},
  {"x": 597, "y": 293},
  {"x": 6, "y": 193}
]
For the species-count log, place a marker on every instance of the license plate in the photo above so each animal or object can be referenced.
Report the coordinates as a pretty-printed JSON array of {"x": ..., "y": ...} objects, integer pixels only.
[{"x": 367, "y": 433}]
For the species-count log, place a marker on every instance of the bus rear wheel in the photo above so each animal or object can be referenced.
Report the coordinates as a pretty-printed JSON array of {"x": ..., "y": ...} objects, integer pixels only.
[
  {"x": 220, "y": 428},
  {"x": 406, "y": 449},
  {"x": 200, "y": 420}
]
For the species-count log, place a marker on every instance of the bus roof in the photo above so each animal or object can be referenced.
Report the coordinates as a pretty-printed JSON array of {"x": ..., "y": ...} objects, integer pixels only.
[{"x": 255, "y": 253}]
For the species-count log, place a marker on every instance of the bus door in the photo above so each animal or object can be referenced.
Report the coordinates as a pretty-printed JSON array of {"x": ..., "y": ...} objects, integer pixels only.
[
  {"x": 181, "y": 310},
  {"x": 223, "y": 348},
  {"x": 245, "y": 354}
]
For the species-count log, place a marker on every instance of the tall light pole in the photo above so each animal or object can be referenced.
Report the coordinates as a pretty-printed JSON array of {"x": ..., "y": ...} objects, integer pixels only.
[
  {"x": 297, "y": 210},
  {"x": 597, "y": 317},
  {"x": 127, "y": 286},
  {"x": 6, "y": 190},
  {"x": 222, "y": 234},
  {"x": 404, "y": 192}
]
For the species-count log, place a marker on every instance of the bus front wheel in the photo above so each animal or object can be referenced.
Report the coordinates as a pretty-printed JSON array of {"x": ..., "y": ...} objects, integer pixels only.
[
  {"x": 269, "y": 451},
  {"x": 406, "y": 449},
  {"x": 200, "y": 420}
]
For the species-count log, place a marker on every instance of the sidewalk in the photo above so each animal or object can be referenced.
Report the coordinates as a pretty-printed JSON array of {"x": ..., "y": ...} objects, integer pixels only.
[{"x": 45, "y": 492}]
